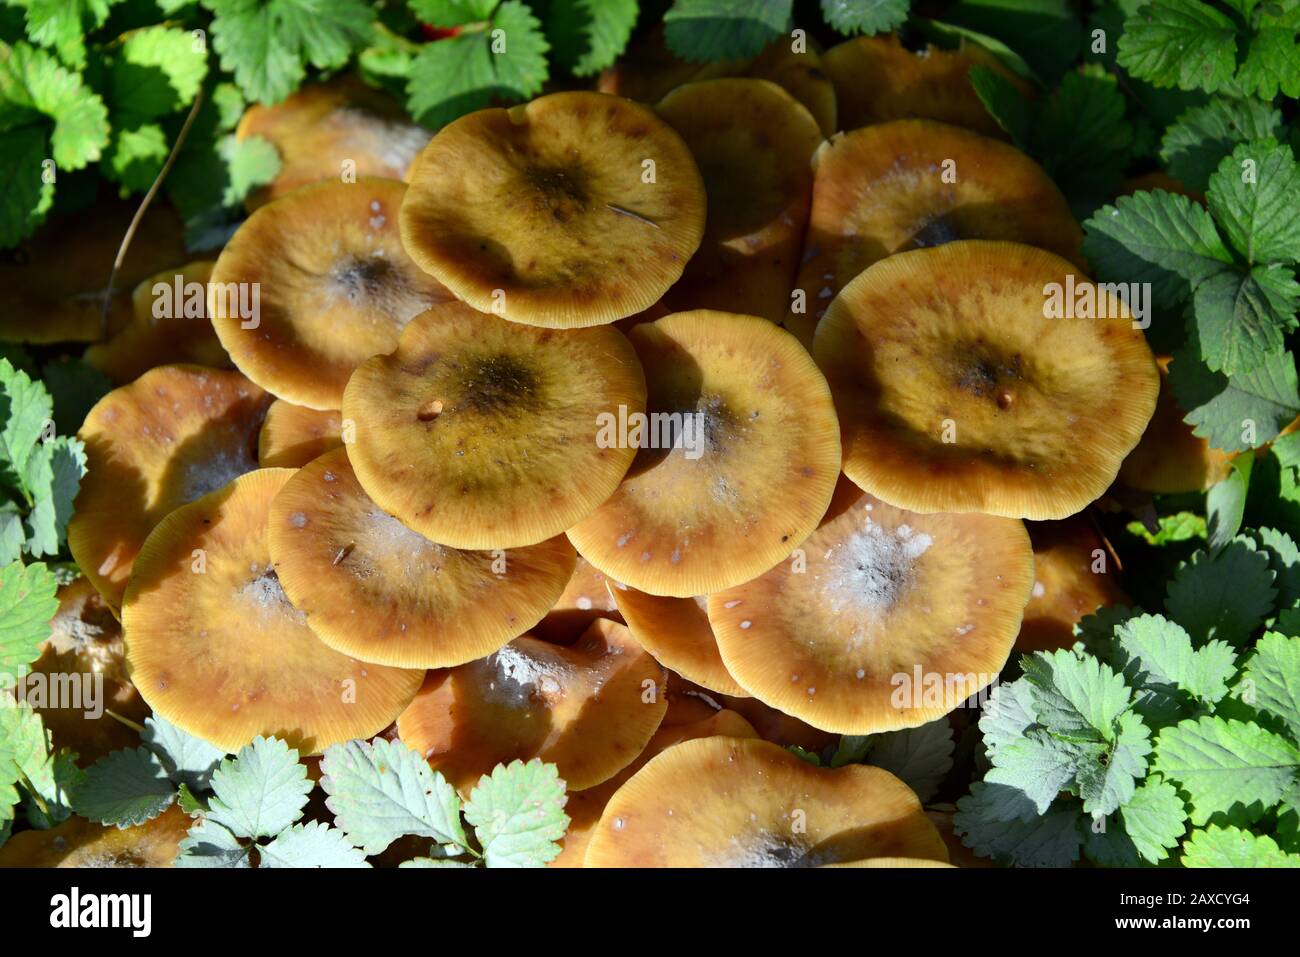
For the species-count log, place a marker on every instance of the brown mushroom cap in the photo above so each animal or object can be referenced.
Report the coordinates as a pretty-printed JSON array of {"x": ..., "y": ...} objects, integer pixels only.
[
  {"x": 55, "y": 286},
  {"x": 877, "y": 79},
  {"x": 958, "y": 391},
  {"x": 479, "y": 433},
  {"x": 78, "y": 842},
  {"x": 575, "y": 209},
  {"x": 176, "y": 433},
  {"x": 754, "y": 463},
  {"x": 86, "y": 640},
  {"x": 377, "y": 591},
  {"x": 882, "y": 189},
  {"x": 325, "y": 125},
  {"x": 1074, "y": 575},
  {"x": 733, "y": 802},
  {"x": 588, "y": 709},
  {"x": 676, "y": 631},
  {"x": 1170, "y": 458},
  {"x": 753, "y": 143},
  {"x": 892, "y": 619},
  {"x": 777, "y": 726},
  {"x": 584, "y": 599},
  {"x": 293, "y": 435},
  {"x": 801, "y": 74},
  {"x": 222, "y": 654},
  {"x": 333, "y": 284},
  {"x": 585, "y": 807},
  {"x": 169, "y": 324}
]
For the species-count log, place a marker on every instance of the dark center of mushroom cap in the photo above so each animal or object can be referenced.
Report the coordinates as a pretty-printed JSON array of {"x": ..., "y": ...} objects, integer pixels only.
[
  {"x": 362, "y": 278},
  {"x": 987, "y": 376},
  {"x": 768, "y": 850},
  {"x": 493, "y": 384},
  {"x": 560, "y": 192},
  {"x": 873, "y": 568}
]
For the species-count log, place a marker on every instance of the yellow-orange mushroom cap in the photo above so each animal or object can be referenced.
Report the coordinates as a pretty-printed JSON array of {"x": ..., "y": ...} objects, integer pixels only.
[
  {"x": 676, "y": 631},
  {"x": 753, "y": 143},
  {"x": 589, "y": 709},
  {"x": 479, "y": 433},
  {"x": 746, "y": 460},
  {"x": 584, "y": 599},
  {"x": 883, "y": 189},
  {"x": 85, "y": 640},
  {"x": 801, "y": 74},
  {"x": 169, "y": 324},
  {"x": 326, "y": 130},
  {"x": 176, "y": 433},
  {"x": 78, "y": 842},
  {"x": 1074, "y": 575},
  {"x": 878, "y": 79},
  {"x": 575, "y": 209},
  {"x": 735, "y": 802},
  {"x": 215, "y": 647},
  {"x": 585, "y": 807},
  {"x": 292, "y": 435},
  {"x": 313, "y": 284},
  {"x": 377, "y": 591},
  {"x": 959, "y": 388},
  {"x": 892, "y": 620}
]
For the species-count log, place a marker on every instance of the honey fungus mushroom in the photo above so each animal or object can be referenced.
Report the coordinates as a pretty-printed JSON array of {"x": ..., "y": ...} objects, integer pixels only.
[
  {"x": 215, "y": 647},
  {"x": 908, "y": 184},
  {"x": 735, "y": 802},
  {"x": 753, "y": 143},
  {"x": 1074, "y": 575},
  {"x": 890, "y": 620},
  {"x": 589, "y": 709},
  {"x": 314, "y": 283},
  {"x": 85, "y": 640},
  {"x": 584, "y": 599},
  {"x": 326, "y": 130},
  {"x": 78, "y": 842},
  {"x": 878, "y": 79},
  {"x": 575, "y": 209},
  {"x": 169, "y": 324},
  {"x": 173, "y": 435},
  {"x": 479, "y": 433},
  {"x": 292, "y": 435},
  {"x": 965, "y": 383},
  {"x": 676, "y": 631},
  {"x": 375, "y": 590},
  {"x": 739, "y": 461}
]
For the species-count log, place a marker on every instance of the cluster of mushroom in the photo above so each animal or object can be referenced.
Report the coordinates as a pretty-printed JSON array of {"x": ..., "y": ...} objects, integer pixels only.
[{"x": 627, "y": 437}]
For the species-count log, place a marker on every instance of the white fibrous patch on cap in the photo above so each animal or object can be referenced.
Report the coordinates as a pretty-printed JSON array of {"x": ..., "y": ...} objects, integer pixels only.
[
  {"x": 266, "y": 595},
  {"x": 520, "y": 677},
  {"x": 215, "y": 471},
  {"x": 766, "y": 850},
  {"x": 872, "y": 569}
]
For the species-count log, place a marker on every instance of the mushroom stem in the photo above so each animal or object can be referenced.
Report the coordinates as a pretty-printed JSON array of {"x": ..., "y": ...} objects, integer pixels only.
[
  {"x": 631, "y": 215},
  {"x": 133, "y": 725}
]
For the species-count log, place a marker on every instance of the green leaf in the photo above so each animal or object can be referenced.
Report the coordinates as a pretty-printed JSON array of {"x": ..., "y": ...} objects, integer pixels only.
[
  {"x": 75, "y": 388},
  {"x": 1220, "y": 407},
  {"x": 63, "y": 25},
  {"x": 1228, "y": 767},
  {"x": 25, "y": 410},
  {"x": 1273, "y": 676},
  {"x": 34, "y": 86},
  {"x": 208, "y": 844},
  {"x": 156, "y": 72},
  {"x": 261, "y": 791},
  {"x": 588, "y": 35},
  {"x": 1234, "y": 847},
  {"x": 920, "y": 757},
  {"x": 1076, "y": 698},
  {"x": 24, "y": 748},
  {"x": 1052, "y": 840},
  {"x": 382, "y": 790},
  {"x": 1225, "y": 595},
  {"x": 27, "y": 603},
  {"x": 1156, "y": 237},
  {"x": 1194, "y": 146},
  {"x": 1081, "y": 136},
  {"x": 1241, "y": 320},
  {"x": 266, "y": 44},
  {"x": 1273, "y": 57},
  {"x": 1157, "y": 659},
  {"x": 54, "y": 782},
  {"x": 124, "y": 788},
  {"x": 136, "y": 156},
  {"x": 188, "y": 760},
  {"x": 1179, "y": 527},
  {"x": 1284, "y": 559},
  {"x": 1007, "y": 714},
  {"x": 864, "y": 16},
  {"x": 1183, "y": 43},
  {"x": 1040, "y": 766},
  {"x": 314, "y": 844},
  {"x": 458, "y": 75},
  {"x": 518, "y": 814},
  {"x": 1154, "y": 819},
  {"x": 1005, "y": 103},
  {"x": 701, "y": 31},
  {"x": 25, "y": 194},
  {"x": 452, "y": 13},
  {"x": 852, "y": 749},
  {"x": 54, "y": 476},
  {"x": 1046, "y": 32},
  {"x": 1249, "y": 196},
  {"x": 423, "y": 862},
  {"x": 1109, "y": 780},
  {"x": 1225, "y": 502}
]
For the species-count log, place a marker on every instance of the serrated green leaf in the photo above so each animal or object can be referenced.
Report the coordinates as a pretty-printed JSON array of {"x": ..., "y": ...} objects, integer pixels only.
[
  {"x": 1226, "y": 410},
  {"x": 54, "y": 474},
  {"x": 518, "y": 814},
  {"x": 24, "y": 746},
  {"x": 156, "y": 72},
  {"x": 1272, "y": 60},
  {"x": 261, "y": 791},
  {"x": 1007, "y": 714},
  {"x": 1157, "y": 659},
  {"x": 63, "y": 25},
  {"x": 919, "y": 757},
  {"x": 314, "y": 844},
  {"x": 1225, "y": 502},
  {"x": 124, "y": 788},
  {"x": 27, "y": 603},
  {"x": 1284, "y": 558},
  {"x": 1234, "y": 847},
  {"x": 1048, "y": 33},
  {"x": 380, "y": 791},
  {"x": 1109, "y": 780},
  {"x": 1154, "y": 819},
  {"x": 54, "y": 782},
  {"x": 208, "y": 844},
  {"x": 187, "y": 760},
  {"x": 1052, "y": 840},
  {"x": 1040, "y": 766},
  {"x": 1249, "y": 196},
  {"x": 136, "y": 156},
  {"x": 1225, "y": 596},
  {"x": 1183, "y": 43},
  {"x": 1194, "y": 146},
  {"x": 1241, "y": 320},
  {"x": 701, "y": 31},
  {"x": 34, "y": 88},
  {"x": 1273, "y": 673},
  {"x": 452, "y": 13},
  {"x": 1005, "y": 103},
  {"x": 1076, "y": 698},
  {"x": 588, "y": 35},
  {"x": 25, "y": 410},
  {"x": 851, "y": 17},
  {"x": 1227, "y": 767},
  {"x": 25, "y": 190}
]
